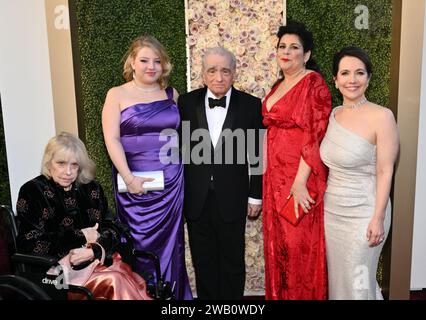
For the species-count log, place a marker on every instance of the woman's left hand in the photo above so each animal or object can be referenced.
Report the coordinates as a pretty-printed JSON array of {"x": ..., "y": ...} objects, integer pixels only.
[
  {"x": 80, "y": 255},
  {"x": 375, "y": 232},
  {"x": 91, "y": 234},
  {"x": 301, "y": 197}
]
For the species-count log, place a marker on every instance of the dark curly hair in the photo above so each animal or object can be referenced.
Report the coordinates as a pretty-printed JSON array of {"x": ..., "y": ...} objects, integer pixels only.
[{"x": 306, "y": 38}]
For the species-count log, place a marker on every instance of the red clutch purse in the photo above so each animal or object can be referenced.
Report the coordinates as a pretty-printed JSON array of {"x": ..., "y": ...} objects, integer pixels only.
[{"x": 287, "y": 211}]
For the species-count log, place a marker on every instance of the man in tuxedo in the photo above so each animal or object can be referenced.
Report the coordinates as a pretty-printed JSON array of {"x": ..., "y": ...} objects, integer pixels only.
[{"x": 225, "y": 128}]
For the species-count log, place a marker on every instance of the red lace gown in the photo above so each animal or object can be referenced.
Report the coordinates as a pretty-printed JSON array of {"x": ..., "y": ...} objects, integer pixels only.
[{"x": 295, "y": 260}]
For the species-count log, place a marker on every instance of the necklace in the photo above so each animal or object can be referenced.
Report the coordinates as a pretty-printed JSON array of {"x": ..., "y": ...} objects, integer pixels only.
[
  {"x": 146, "y": 90},
  {"x": 356, "y": 105}
]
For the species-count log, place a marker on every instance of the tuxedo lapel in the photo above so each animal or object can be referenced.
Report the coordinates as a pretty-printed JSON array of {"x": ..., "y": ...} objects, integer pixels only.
[{"x": 200, "y": 106}]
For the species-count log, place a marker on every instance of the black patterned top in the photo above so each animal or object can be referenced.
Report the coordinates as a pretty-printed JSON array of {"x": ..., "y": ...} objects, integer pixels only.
[{"x": 50, "y": 218}]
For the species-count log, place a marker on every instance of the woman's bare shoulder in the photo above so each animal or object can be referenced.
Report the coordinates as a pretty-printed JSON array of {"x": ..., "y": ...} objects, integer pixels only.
[
  {"x": 380, "y": 114},
  {"x": 379, "y": 111},
  {"x": 118, "y": 90}
]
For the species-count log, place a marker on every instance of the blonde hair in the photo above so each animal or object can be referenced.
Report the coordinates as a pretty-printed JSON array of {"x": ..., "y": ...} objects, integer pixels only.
[
  {"x": 66, "y": 142},
  {"x": 158, "y": 48}
]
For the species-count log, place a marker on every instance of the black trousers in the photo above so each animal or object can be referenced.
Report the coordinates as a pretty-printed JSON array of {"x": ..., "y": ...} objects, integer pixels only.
[{"x": 217, "y": 250}]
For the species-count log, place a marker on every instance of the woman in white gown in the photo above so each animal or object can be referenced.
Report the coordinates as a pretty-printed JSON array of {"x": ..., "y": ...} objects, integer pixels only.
[{"x": 360, "y": 149}]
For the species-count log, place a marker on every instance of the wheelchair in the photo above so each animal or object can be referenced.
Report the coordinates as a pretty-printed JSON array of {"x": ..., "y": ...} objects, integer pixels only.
[
  {"x": 32, "y": 269},
  {"x": 14, "y": 287},
  {"x": 157, "y": 287}
]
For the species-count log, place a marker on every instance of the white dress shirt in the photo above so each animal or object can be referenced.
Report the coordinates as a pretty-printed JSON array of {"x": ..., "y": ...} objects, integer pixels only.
[
  {"x": 215, "y": 119},
  {"x": 216, "y": 116}
]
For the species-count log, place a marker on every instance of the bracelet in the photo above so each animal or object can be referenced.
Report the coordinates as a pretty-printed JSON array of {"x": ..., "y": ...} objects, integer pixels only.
[
  {"x": 125, "y": 179},
  {"x": 127, "y": 184}
]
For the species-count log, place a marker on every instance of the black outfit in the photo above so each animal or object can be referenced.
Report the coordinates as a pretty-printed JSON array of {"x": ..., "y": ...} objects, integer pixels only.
[
  {"x": 216, "y": 193},
  {"x": 50, "y": 219},
  {"x": 50, "y": 223}
]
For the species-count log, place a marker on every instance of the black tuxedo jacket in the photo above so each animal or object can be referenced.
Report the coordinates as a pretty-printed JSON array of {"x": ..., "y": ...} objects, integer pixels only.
[{"x": 229, "y": 160}]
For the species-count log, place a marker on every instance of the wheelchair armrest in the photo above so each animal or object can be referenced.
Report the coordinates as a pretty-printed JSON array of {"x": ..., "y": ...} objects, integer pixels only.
[
  {"x": 153, "y": 257},
  {"x": 34, "y": 260},
  {"x": 162, "y": 289},
  {"x": 47, "y": 262},
  {"x": 24, "y": 287}
]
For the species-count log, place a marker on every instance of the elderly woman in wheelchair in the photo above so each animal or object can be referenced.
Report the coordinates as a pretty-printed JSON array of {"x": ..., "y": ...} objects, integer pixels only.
[{"x": 63, "y": 213}]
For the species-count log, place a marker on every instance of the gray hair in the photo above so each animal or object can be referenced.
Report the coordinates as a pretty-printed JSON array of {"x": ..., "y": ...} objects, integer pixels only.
[
  {"x": 66, "y": 142},
  {"x": 222, "y": 52}
]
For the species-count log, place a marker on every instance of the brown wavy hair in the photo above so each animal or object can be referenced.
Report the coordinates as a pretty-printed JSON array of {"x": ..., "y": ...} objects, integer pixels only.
[{"x": 152, "y": 43}]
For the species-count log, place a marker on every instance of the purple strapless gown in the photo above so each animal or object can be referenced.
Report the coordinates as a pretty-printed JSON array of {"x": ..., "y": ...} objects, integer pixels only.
[{"x": 155, "y": 219}]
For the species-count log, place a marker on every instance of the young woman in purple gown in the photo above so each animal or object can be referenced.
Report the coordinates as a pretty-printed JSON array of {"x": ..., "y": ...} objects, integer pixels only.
[{"x": 133, "y": 118}]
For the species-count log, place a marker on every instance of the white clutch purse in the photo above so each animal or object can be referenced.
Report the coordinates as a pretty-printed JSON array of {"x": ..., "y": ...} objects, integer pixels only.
[{"x": 155, "y": 185}]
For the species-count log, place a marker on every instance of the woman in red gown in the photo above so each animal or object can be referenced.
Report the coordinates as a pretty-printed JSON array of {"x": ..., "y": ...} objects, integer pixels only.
[{"x": 296, "y": 113}]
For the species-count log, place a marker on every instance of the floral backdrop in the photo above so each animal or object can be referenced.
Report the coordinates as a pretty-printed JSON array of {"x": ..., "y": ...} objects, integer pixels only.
[{"x": 248, "y": 29}]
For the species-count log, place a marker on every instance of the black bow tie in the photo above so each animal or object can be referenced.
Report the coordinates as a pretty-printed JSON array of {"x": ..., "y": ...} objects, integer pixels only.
[{"x": 217, "y": 102}]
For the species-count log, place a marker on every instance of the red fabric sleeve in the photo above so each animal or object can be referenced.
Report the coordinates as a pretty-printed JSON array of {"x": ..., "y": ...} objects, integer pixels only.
[{"x": 313, "y": 119}]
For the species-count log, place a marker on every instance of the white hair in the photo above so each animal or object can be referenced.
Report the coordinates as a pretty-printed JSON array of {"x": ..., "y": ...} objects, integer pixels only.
[{"x": 222, "y": 52}]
